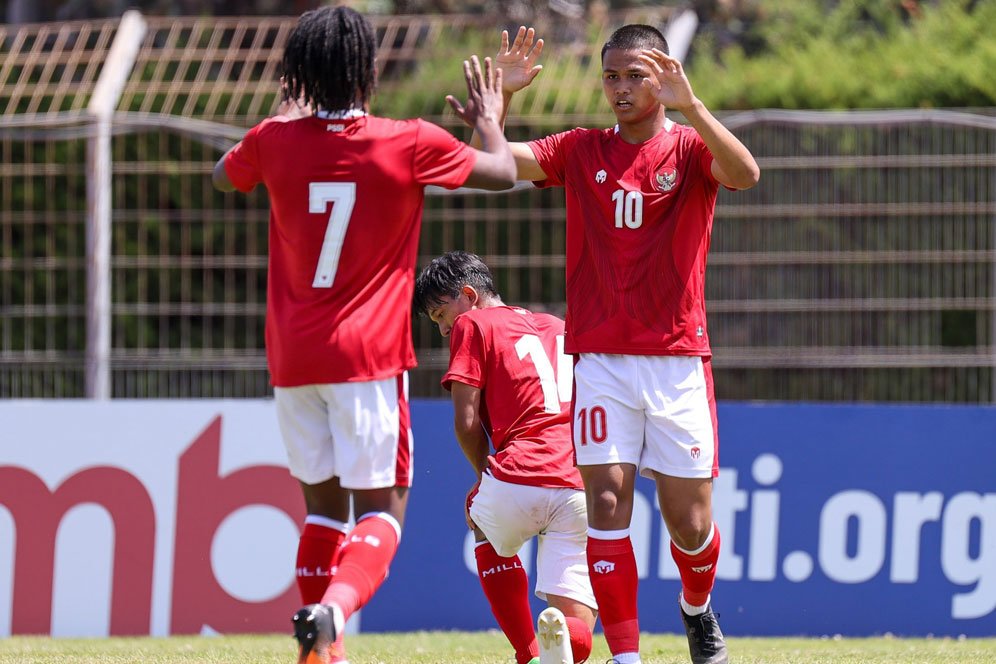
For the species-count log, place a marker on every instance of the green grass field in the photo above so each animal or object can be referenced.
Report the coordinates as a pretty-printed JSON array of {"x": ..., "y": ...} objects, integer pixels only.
[{"x": 480, "y": 648}]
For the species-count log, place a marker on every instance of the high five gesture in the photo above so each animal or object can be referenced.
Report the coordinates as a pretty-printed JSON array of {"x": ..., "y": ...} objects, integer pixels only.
[{"x": 518, "y": 61}]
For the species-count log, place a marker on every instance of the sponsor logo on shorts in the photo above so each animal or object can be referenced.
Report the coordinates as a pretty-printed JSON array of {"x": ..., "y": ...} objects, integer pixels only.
[{"x": 696, "y": 452}]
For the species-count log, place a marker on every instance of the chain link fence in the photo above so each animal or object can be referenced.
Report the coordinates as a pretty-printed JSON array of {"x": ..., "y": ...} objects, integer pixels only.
[{"x": 861, "y": 268}]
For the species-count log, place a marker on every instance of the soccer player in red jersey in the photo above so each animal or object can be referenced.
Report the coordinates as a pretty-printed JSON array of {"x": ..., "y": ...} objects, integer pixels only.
[
  {"x": 511, "y": 382},
  {"x": 346, "y": 197},
  {"x": 640, "y": 202}
]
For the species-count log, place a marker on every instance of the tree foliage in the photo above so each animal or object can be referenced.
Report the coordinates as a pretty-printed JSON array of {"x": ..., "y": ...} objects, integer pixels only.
[{"x": 854, "y": 54}]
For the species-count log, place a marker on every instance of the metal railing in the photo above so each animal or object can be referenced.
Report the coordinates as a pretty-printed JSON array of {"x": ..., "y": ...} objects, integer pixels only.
[{"x": 860, "y": 268}]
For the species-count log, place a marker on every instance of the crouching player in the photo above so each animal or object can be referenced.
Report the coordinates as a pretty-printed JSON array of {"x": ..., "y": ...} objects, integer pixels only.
[{"x": 511, "y": 381}]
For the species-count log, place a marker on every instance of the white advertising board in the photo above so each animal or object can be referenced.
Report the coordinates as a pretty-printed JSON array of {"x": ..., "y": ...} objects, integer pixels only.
[{"x": 145, "y": 517}]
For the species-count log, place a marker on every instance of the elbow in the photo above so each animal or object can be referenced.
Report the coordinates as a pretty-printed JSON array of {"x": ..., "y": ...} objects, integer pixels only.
[
  {"x": 748, "y": 178},
  {"x": 464, "y": 427},
  {"x": 219, "y": 178},
  {"x": 506, "y": 183},
  {"x": 220, "y": 184},
  {"x": 497, "y": 182},
  {"x": 504, "y": 170},
  {"x": 751, "y": 176},
  {"x": 504, "y": 178},
  {"x": 754, "y": 176}
]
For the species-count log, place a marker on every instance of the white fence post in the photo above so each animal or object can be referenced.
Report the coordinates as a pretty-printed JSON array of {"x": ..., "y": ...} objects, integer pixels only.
[{"x": 106, "y": 94}]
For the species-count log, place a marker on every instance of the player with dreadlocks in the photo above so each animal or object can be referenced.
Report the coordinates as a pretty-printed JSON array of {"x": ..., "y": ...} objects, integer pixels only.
[
  {"x": 346, "y": 193},
  {"x": 311, "y": 74}
]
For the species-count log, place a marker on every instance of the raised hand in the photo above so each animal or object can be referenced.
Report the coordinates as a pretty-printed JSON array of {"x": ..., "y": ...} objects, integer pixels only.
[
  {"x": 484, "y": 98},
  {"x": 667, "y": 81},
  {"x": 518, "y": 61}
]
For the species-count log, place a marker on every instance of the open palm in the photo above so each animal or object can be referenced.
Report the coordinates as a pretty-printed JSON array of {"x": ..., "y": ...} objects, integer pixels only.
[
  {"x": 668, "y": 81},
  {"x": 518, "y": 61}
]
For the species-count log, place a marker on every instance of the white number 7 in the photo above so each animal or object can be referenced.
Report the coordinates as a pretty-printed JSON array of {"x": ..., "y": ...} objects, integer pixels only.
[{"x": 342, "y": 195}]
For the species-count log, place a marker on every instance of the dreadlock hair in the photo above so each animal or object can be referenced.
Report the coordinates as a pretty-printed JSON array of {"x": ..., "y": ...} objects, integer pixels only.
[
  {"x": 636, "y": 36},
  {"x": 329, "y": 60},
  {"x": 446, "y": 275}
]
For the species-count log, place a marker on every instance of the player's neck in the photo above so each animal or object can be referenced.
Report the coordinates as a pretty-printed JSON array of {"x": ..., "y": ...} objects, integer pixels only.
[
  {"x": 488, "y": 302},
  {"x": 642, "y": 130}
]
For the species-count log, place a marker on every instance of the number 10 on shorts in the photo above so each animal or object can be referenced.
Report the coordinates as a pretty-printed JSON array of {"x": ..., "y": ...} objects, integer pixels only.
[{"x": 591, "y": 424}]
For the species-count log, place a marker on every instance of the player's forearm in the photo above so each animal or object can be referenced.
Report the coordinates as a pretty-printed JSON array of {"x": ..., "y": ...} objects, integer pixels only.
[
  {"x": 495, "y": 167},
  {"x": 731, "y": 155},
  {"x": 475, "y": 447},
  {"x": 219, "y": 176}
]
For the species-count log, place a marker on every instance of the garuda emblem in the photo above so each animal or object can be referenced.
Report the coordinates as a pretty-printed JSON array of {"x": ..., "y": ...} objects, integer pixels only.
[{"x": 667, "y": 179}]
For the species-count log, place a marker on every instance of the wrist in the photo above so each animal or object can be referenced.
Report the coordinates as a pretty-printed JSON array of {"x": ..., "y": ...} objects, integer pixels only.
[
  {"x": 694, "y": 107},
  {"x": 488, "y": 123}
]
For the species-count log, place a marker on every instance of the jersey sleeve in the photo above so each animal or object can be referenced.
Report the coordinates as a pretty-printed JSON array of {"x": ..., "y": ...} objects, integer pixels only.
[
  {"x": 552, "y": 153},
  {"x": 467, "y": 355},
  {"x": 242, "y": 164},
  {"x": 441, "y": 159}
]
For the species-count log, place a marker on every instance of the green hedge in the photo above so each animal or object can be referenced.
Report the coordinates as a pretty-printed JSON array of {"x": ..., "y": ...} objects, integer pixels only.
[{"x": 854, "y": 54}]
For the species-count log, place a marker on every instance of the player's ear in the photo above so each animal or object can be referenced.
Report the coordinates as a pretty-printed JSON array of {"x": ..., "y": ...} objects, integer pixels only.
[{"x": 471, "y": 294}]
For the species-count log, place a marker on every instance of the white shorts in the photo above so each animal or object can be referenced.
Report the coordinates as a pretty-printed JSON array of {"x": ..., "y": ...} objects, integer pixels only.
[
  {"x": 510, "y": 514},
  {"x": 657, "y": 412},
  {"x": 358, "y": 432}
]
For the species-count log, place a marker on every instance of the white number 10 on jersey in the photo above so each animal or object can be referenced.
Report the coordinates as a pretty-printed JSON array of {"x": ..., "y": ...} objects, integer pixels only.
[
  {"x": 629, "y": 208},
  {"x": 342, "y": 195},
  {"x": 556, "y": 385}
]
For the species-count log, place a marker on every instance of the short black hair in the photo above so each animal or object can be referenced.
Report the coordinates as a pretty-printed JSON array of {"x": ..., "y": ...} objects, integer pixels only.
[
  {"x": 330, "y": 59},
  {"x": 445, "y": 275},
  {"x": 636, "y": 36}
]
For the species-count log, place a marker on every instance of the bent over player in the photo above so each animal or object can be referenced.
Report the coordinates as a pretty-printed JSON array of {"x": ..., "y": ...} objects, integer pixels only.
[
  {"x": 511, "y": 382},
  {"x": 640, "y": 203},
  {"x": 346, "y": 194}
]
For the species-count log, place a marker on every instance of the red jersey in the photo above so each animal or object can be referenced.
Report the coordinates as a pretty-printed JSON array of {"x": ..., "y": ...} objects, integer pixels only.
[
  {"x": 516, "y": 358},
  {"x": 639, "y": 223},
  {"x": 346, "y": 202}
]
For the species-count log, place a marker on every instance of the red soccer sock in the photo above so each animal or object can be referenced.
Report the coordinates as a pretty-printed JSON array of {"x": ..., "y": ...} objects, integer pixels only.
[
  {"x": 614, "y": 579},
  {"x": 317, "y": 550},
  {"x": 507, "y": 588},
  {"x": 698, "y": 569},
  {"x": 364, "y": 559},
  {"x": 580, "y": 638}
]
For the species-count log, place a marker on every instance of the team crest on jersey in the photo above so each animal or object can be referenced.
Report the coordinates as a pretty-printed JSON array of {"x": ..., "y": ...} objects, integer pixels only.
[
  {"x": 600, "y": 176},
  {"x": 666, "y": 179}
]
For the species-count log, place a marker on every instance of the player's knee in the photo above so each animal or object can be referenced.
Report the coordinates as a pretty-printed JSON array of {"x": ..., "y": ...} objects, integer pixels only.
[
  {"x": 690, "y": 533},
  {"x": 602, "y": 503}
]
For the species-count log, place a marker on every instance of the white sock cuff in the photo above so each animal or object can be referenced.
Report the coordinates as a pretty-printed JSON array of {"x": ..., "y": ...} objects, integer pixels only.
[
  {"x": 691, "y": 610},
  {"x": 705, "y": 545},
  {"x": 608, "y": 534},
  {"x": 386, "y": 517},
  {"x": 325, "y": 522}
]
